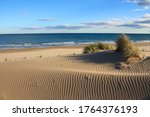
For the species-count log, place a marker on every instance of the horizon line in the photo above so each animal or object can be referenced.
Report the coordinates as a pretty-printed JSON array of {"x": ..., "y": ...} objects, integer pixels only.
[{"x": 70, "y": 33}]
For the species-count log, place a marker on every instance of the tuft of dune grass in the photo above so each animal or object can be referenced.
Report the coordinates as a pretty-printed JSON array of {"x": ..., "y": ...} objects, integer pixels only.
[
  {"x": 97, "y": 47},
  {"x": 126, "y": 47}
]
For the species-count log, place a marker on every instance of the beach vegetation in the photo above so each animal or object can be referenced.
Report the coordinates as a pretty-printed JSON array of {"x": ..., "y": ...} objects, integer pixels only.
[
  {"x": 97, "y": 47},
  {"x": 126, "y": 47},
  {"x": 103, "y": 46},
  {"x": 90, "y": 49}
]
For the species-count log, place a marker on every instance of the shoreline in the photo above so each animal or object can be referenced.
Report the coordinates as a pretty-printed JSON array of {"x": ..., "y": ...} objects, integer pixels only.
[
  {"x": 54, "y": 51},
  {"x": 10, "y": 50},
  {"x": 37, "y": 49}
]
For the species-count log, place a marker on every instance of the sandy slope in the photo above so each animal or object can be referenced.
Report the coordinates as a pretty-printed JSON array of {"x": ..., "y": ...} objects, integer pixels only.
[{"x": 78, "y": 76}]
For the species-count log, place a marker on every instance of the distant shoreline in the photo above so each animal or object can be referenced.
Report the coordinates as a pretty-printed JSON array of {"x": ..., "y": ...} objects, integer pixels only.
[{"x": 58, "y": 47}]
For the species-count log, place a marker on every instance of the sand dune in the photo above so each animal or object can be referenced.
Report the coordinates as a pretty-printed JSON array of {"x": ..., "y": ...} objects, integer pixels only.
[{"x": 51, "y": 76}]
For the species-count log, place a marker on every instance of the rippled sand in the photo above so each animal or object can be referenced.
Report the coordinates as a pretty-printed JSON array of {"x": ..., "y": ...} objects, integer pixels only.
[{"x": 67, "y": 74}]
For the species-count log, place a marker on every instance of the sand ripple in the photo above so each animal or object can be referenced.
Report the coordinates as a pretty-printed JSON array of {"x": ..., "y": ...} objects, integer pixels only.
[{"x": 74, "y": 77}]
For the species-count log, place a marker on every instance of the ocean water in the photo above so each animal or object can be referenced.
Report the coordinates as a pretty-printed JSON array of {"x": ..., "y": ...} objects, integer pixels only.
[{"x": 8, "y": 41}]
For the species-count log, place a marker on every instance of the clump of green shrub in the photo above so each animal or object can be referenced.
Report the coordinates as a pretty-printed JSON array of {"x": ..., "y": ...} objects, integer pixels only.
[
  {"x": 103, "y": 46},
  {"x": 97, "y": 47},
  {"x": 126, "y": 47},
  {"x": 90, "y": 49}
]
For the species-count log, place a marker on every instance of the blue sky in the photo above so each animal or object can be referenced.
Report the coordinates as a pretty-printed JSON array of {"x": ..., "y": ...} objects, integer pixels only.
[{"x": 74, "y": 16}]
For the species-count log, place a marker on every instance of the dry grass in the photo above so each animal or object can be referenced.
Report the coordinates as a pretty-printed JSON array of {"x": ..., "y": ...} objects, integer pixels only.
[
  {"x": 103, "y": 46},
  {"x": 97, "y": 47},
  {"x": 126, "y": 47},
  {"x": 90, "y": 49}
]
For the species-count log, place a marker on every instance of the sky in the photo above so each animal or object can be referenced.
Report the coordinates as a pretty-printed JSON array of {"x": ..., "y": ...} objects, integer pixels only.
[{"x": 74, "y": 16}]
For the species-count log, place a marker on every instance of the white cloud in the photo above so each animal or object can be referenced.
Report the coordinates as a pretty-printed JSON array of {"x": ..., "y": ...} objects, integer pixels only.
[
  {"x": 32, "y": 28},
  {"x": 144, "y": 25},
  {"x": 146, "y": 16},
  {"x": 142, "y": 9},
  {"x": 140, "y": 2},
  {"x": 142, "y": 22},
  {"x": 72, "y": 27},
  {"x": 143, "y": 3},
  {"x": 60, "y": 27},
  {"x": 108, "y": 23},
  {"x": 46, "y": 19}
]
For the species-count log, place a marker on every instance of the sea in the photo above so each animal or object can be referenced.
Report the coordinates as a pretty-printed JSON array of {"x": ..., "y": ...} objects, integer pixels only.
[{"x": 14, "y": 41}]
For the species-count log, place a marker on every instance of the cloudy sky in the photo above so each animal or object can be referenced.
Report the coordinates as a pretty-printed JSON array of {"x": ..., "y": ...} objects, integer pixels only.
[{"x": 74, "y": 16}]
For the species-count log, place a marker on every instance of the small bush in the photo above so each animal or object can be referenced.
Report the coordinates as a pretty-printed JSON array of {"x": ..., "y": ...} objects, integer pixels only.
[
  {"x": 97, "y": 47},
  {"x": 122, "y": 43},
  {"x": 126, "y": 47},
  {"x": 90, "y": 49},
  {"x": 103, "y": 46}
]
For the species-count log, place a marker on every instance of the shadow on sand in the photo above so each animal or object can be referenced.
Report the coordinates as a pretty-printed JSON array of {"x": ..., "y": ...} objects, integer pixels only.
[
  {"x": 100, "y": 57},
  {"x": 147, "y": 59}
]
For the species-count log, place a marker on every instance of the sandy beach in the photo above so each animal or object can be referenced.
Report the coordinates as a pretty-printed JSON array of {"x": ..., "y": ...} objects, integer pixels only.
[{"x": 66, "y": 73}]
